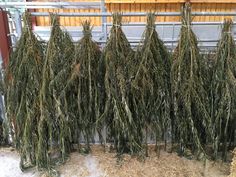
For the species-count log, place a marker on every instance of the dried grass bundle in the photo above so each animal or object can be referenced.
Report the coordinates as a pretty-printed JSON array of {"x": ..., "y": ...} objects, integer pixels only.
[
  {"x": 88, "y": 55},
  {"x": 23, "y": 80},
  {"x": 118, "y": 116},
  {"x": 192, "y": 119},
  {"x": 151, "y": 84},
  {"x": 84, "y": 87},
  {"x": 223, "y": 91},
  {"x": 53, "y": 128}
]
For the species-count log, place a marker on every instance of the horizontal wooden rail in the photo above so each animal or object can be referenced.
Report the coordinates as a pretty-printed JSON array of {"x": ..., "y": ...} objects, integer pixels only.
[{"x": 169, "y": 1}]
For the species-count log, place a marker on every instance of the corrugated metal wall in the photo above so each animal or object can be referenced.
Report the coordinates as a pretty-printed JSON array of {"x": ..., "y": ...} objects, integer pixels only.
[{"x": 144, "y": 6}]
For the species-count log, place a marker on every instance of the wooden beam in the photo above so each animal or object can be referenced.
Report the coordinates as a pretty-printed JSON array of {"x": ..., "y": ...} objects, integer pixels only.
[
  {"x": 213, "y": 1},
  {"x": 143, "y": 1},
  {"x": 168, "y": 1},
  {"x": 5, "y": 42}
]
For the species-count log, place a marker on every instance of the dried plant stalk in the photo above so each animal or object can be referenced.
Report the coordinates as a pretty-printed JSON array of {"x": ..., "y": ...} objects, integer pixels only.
[
  {"x": 151, "y": 84},
  {"x": 23, "y": 80},
  {"x": 223, "y": 91},
  {"x": 190, "y": 98},
  {"x": 118, "y": 116},
  {"x": 54, "y": 128}
]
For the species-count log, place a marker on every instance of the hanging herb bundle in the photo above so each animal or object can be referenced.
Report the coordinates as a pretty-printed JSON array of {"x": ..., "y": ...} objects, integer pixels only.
[
  {"x": 151, "y": 84},
  {"x": 1, "y": 132},
  {"x": 223, "y": 90},
  {"x": 89, "y": 90},
  {"x": 23, "y": 80},
  {"x": 118, "y": 115},
  {"x": 13, "y": 90},
  {"x": 84, "y": 86},
  {"x": 53, "y": 128},
  {"x": 190, "y": 98},
  {"x": 3, "y": 123}
]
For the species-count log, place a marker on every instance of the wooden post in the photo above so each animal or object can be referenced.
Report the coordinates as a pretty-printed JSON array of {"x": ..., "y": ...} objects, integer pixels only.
[{"x": 5, "y": 41}]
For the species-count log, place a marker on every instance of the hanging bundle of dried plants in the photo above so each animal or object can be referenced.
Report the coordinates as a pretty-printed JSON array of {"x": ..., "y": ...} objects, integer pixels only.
[
  {"x": 23, "y": 80},
  {"x": 118, "y": 116},
  {"x": 54, "y": 129},
  {"x": 192, "y": 120},
  {"x": 223, "y": 91},
  {"x": 84, "y": 87},
  {"x": 151, "y": 84}
]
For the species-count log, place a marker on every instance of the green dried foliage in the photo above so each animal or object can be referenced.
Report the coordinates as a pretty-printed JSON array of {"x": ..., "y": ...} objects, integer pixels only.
[
  {"x": 118, "y": 117},
  {"x": 53, "y": 128},
  {"x": 151, "y": 84},
  {"x": 192, "y": 120},
  {"x": 84, "y": 87},
  {"x": 1, "y": 133},
  {"x": 23, "y": 80},
  {"x": 13, "y": 92},
  {"x": 88, "y": 56},
  {"x": 57, "y": 95},
  {"x": 223, "y": 90},
  {"x": 4, "y": 126}
]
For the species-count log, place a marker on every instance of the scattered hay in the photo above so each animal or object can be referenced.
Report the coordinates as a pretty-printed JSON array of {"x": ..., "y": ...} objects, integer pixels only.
[{"x": 233, "y": 165}]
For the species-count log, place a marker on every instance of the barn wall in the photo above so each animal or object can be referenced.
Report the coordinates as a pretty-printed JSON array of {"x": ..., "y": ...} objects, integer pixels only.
[{"x": 144, "y": 6}]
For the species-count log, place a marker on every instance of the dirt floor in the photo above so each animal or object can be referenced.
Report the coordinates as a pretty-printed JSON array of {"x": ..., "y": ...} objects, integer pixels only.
[
  {"x": 105, "y": 164},
  {"x": 233, "y": 165}
]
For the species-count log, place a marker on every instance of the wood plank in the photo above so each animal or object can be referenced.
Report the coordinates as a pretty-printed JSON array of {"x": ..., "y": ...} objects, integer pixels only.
[
  {"x": 222, "y": 10},
  {"x": 217, "y": 9},
  {"x": 127, "y": 7},
  {"x": 167, "y": 9},
  {"x": 230, "y": 8},
  {"x": 210, "y": 8},
  {"x": 206, "y": 8},
  {"x": 72, "y": 19},
  {"x": 179, "y": 10},
  {"x": 142, "y": 1},
  {"x": 62, "y": 19},
  {"x": 143, "y": 9},
  {"x": 98, "y": 19},
  {"x": 169, "y": 1},
  {"x": 86, "y": 18},
  {"x": 67, "y": 19},
  {"x": 197, "y": 8},
  {"x": 161, "y": 8},
  {"x": 39, "y": 20},
  {"x": 77, "y": 19},
  {"x": 175, "y": 8},
  {"x": 144, "y": 6},
  {"x": 132, "y": 9},
  {"x": 213, "y": 1},
  {"x": 233, "y": 7},
  {"x": 109, "y": 10},
  {"x": 138, "y": 9}
]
